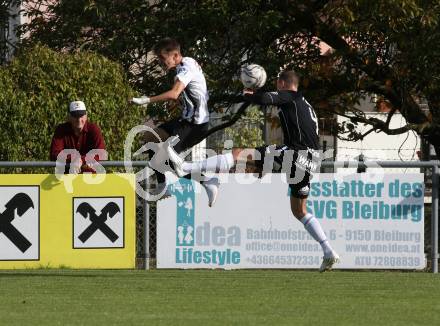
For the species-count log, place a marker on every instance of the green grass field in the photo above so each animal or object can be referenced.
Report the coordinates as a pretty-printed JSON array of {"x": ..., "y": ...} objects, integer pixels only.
[{"x": 199, "y": 297}]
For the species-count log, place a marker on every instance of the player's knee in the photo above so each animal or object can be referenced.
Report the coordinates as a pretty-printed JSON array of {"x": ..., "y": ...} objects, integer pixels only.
[
  {"x": 298, "y": 208},
  {"x": 299, "y": 213}
]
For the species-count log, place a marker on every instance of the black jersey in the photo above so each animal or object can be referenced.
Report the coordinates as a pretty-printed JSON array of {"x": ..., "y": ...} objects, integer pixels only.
[{"x": 298, "y": 119}]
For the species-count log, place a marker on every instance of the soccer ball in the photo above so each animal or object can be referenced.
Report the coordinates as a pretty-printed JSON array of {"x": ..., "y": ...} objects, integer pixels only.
[{"x": 253, "y": 76}]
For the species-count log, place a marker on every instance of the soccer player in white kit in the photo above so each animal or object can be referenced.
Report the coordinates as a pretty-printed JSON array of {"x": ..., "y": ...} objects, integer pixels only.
[{"x": 191, "y": 91}]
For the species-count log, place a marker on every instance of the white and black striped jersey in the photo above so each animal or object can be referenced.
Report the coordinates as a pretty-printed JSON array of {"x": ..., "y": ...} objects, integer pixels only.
[
  {"x": 298, "y": 119},
  {"x": 194, "y": 98}
]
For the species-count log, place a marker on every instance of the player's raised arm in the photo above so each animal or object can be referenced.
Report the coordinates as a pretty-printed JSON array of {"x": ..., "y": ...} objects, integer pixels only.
[
  {"x": 171, "y": 95},
  {"x": 263, "y": 98}
]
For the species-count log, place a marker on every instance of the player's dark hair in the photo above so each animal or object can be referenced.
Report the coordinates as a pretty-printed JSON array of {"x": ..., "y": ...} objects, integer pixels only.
[
  {"x": 290, "y": 77},
  {"x": 166, "y": 44}
]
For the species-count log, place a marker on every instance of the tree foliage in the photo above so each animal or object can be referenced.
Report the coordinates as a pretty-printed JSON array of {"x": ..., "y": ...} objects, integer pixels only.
[
  {"x": 248, "y": 131},
  {"x": 36, "y": 87},
  {"x": 383, "y": 48},
  {"x": 8, "y": 11}
]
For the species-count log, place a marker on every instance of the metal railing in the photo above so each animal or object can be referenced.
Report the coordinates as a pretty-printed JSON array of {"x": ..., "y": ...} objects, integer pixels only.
[{"x": 145, "y": 254}]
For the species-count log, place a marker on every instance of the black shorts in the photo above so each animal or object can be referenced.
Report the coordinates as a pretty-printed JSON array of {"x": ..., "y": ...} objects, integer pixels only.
[
  {"x": 190, "y": 134},
  {"x": 299, "y": 166}
]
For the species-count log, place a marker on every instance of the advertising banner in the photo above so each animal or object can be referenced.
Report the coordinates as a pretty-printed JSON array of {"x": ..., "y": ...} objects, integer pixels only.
[
  {"x": 73, "y": 223},
  {"x": 372, "y": 222}
]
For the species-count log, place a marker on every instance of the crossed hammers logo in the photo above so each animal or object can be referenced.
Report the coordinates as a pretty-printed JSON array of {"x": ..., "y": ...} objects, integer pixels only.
[
  {"x": 98, "y": 221},
  {"x": 21, "y": 203}
]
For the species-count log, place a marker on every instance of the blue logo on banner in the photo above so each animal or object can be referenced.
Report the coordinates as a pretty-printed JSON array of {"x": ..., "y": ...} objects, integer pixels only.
[{"x": 183, "y": 190}]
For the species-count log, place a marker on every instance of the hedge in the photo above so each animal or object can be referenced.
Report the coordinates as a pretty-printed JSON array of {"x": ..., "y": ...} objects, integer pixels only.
[{"x": 36, "y": 87}]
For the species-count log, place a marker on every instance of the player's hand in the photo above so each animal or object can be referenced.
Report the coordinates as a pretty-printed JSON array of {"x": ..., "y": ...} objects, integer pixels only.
[
  {"x": 248, "y": 91},
  {"x": 143, "y": 100},
  {"x": 75, "y": 168}
]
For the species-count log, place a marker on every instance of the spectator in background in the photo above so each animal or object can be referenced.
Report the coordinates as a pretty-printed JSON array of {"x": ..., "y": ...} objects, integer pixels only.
[{"x": 79, "y": 134}]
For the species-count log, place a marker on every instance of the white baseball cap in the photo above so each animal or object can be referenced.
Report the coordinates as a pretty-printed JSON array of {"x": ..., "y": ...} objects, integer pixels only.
[{"x": 77, "y": 109}]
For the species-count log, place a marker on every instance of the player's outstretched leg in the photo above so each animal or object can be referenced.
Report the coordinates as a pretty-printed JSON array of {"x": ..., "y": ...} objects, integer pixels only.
[
  {"x": 217, "y": 163},
  {"x": 313, "y": 227}
]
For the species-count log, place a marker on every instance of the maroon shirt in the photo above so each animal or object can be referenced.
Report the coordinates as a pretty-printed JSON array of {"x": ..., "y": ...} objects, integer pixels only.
[{"x": 89, "y": 138}]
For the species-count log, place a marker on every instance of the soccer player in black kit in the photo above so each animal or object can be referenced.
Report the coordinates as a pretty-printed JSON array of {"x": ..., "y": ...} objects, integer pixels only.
[{"x": 299, "y": 152}]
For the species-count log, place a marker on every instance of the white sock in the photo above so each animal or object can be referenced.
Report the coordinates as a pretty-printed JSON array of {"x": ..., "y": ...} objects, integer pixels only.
[
  {"x": 312, "y": 225},
  {"x": 217, "y": 163}
]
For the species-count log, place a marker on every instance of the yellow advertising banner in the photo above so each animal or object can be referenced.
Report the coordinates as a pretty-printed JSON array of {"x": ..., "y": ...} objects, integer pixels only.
[{"x": 80, "y": 221}]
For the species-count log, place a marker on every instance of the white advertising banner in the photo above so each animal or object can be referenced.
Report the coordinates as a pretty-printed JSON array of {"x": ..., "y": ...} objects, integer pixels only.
[{"x": 372, "y": 221}]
